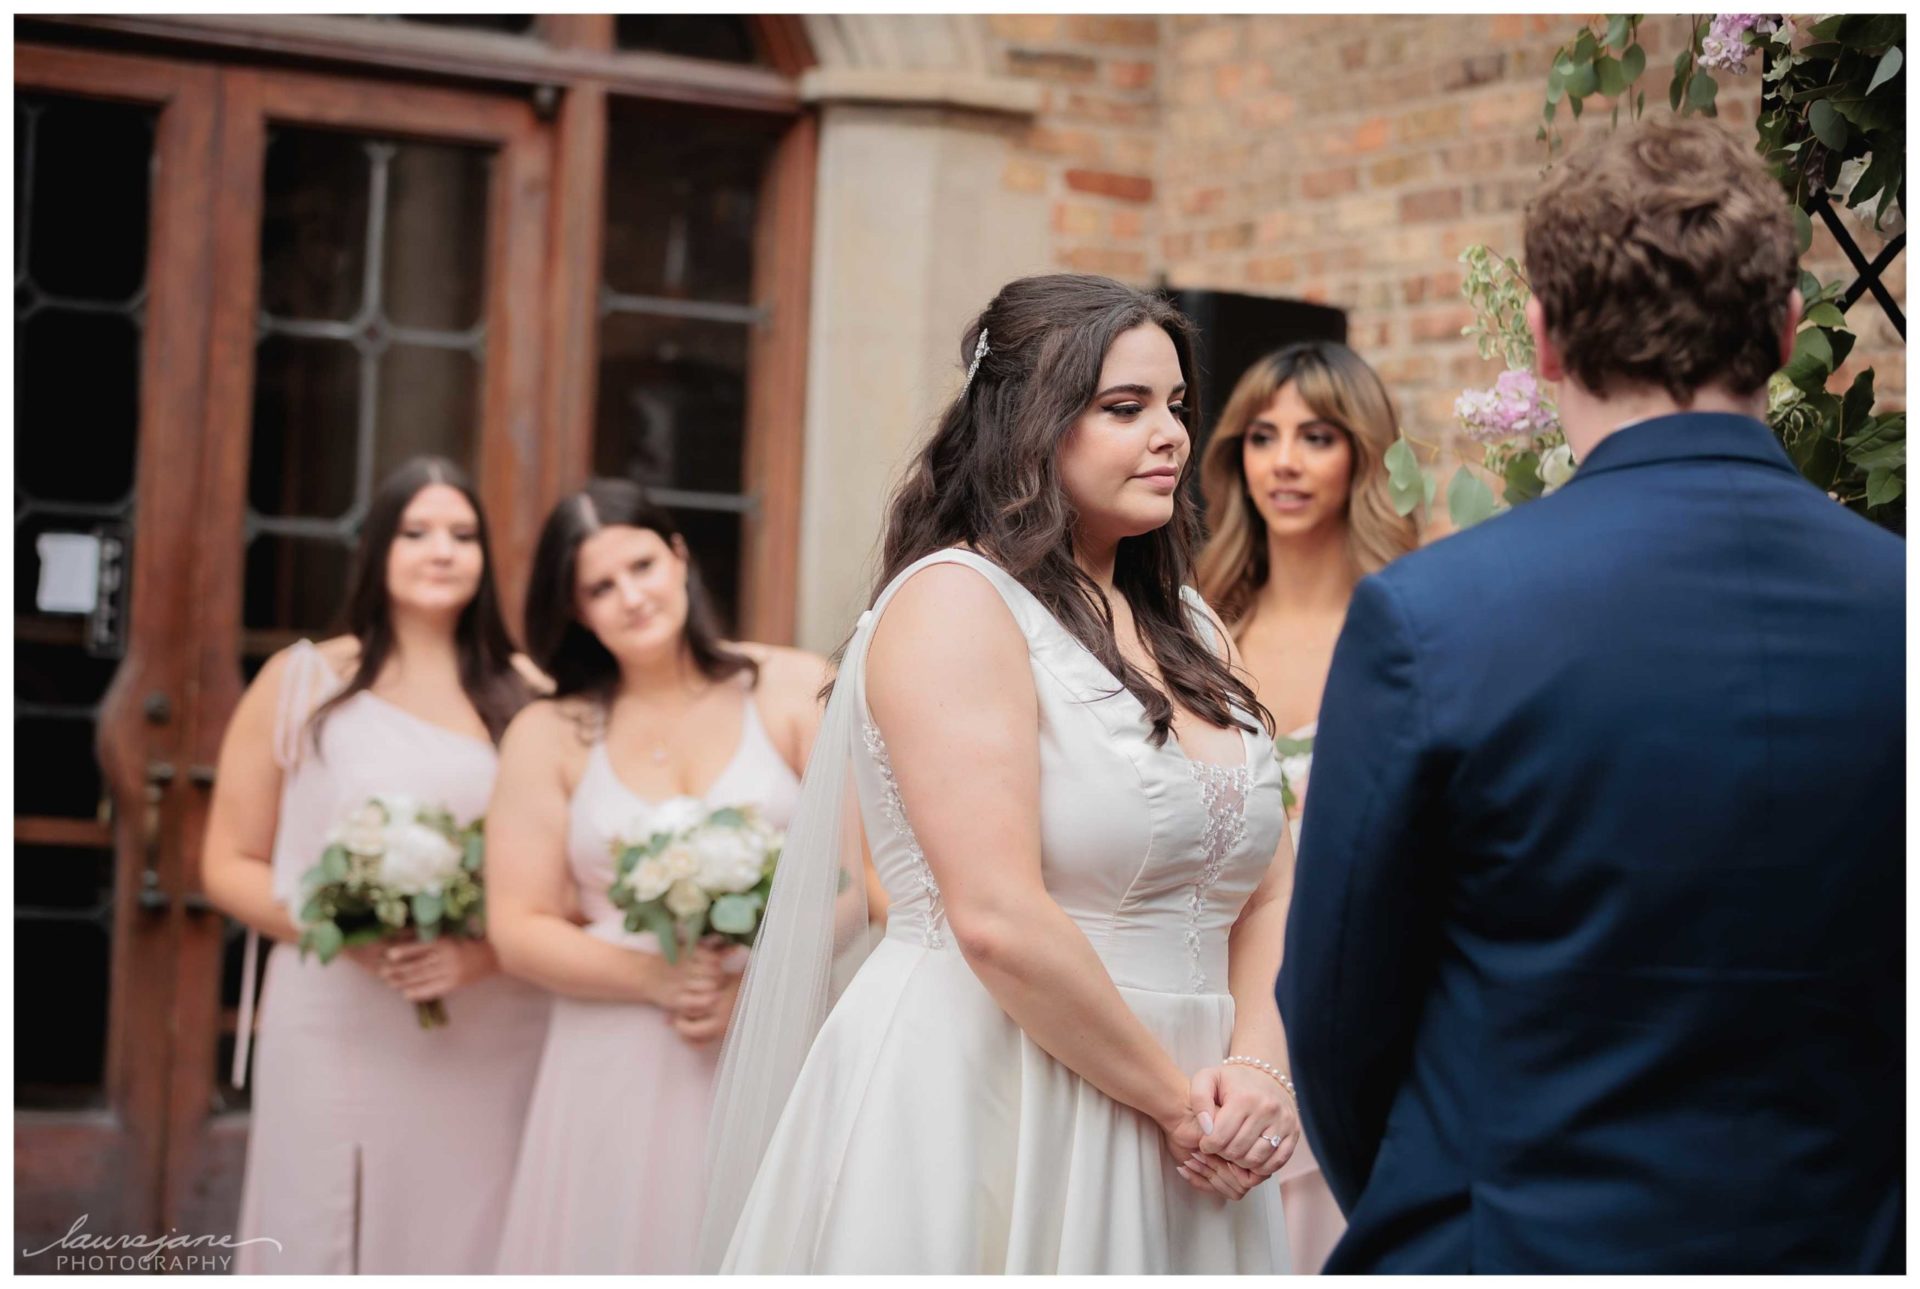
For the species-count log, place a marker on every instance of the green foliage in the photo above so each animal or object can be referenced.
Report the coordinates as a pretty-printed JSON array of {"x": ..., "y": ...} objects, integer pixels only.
[
  {"x": 1833, "y": 113},
  {"x": 427, "y": 912},
  {"x": 1496, "y": 287},
  {"x": 1606, "y": 66},
  {"x": 1522, "y": 477},
  {"x": 1468, "y": 499},
  {"x": 333, "y": 864},
  {"x": 1408, "y": 486},
  {"x": 323, "y": 939},
  {"x": 654, "y": 917},
  {"x": 1284, "y": 748},
  {"x": 736, "y": 914},
  {"x": 1832, "y": 126}
]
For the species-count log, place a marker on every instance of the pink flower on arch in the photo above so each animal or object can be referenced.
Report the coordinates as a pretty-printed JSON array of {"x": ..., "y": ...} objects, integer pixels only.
[
  {"x": 1725, "y": 49},
  {"x": 1515, "y": 408}
]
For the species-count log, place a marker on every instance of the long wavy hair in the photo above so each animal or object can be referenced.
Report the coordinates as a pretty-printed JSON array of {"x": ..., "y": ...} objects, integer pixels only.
[
  {"x": 1343, "y": 391},
  {"x": 989, "y": 477},
  {"x": 560, "y": 643},
  {"x": 496, "y": 690}
]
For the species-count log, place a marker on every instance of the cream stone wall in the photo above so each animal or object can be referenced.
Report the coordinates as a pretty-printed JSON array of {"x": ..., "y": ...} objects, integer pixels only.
[{"x": 913, "y": 233}]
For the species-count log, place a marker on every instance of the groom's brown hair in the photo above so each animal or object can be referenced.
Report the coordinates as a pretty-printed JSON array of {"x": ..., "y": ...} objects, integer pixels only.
[{"x": 1663, "y": 254}]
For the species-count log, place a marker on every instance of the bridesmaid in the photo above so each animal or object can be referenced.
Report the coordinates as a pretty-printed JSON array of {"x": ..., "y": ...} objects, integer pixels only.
[
  {"x": 1297, "y": 500},
  {"x": 649, "y": 706},
  {"x": 377, "y": 1146}
]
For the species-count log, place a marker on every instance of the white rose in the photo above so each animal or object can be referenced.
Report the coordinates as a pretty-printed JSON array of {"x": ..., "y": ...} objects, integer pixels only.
[
  {"x": 364, "y": 832},
  {"x": 675, "y": 815},
  {"x": 682, "y": 861},
  {"x": 771, "y": 839},
  {"x": 398, "y": 807},
  {"x": 1556, "y": 467},
  {"x": 730, "y": 858},
  {"x": 686, "y": 900},
  {"x": 649, "y": 879},
  {"x": 417, "y": 859}
]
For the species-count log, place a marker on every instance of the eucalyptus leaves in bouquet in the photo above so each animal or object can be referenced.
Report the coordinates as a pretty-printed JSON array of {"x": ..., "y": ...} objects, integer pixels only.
[
  {"x": 687, "y": 873},
  {"x": 395, "y": 866}
]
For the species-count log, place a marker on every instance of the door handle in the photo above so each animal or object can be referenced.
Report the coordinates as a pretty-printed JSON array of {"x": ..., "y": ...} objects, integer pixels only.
[
  {"x": 160, "y": 776},
  {"x": 152, "y": 896},
  {"x": 201, "y": 776}
]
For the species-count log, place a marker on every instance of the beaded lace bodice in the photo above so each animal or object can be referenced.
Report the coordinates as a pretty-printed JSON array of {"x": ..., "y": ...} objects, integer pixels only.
[
  {"x": 1151, "y": 853},
  {"x": 1223, "y": 790},
  {"x": 933, "y": 914}
]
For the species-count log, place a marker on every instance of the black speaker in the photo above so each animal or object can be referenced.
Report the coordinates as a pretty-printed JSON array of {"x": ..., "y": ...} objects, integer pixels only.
[{"x": 1238, "y": 330}]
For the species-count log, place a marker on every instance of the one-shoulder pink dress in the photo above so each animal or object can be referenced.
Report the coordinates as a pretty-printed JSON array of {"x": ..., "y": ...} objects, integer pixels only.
[
  {"x": 612, "y": 1172},
  {"x": 377, "y": 1146}
]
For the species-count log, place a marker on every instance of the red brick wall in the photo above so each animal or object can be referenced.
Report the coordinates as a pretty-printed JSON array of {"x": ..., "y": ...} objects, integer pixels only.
[
  {"x": 1340, "y": 159},
  {"x": 1094, "y": 147}
]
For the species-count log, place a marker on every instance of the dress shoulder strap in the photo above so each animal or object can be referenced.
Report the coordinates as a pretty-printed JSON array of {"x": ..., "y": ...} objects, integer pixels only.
[
  {"x": 1018, "y": 598},
  {"x": 1202, "y": 616},
  {"x": 1028, "y": 613},
  {"x": 756, "y": 740},
  {"x": 1055, "y": 650},
  {"x": 307, "y": 681}
]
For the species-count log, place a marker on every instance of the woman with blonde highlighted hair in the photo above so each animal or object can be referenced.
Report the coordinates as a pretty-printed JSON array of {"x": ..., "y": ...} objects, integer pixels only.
[
  {"x": 1311, "y": 409},
  {"x": 1296, "y": 491}
]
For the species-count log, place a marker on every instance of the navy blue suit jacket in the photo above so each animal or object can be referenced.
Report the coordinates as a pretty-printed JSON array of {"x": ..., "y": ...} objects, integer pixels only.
[{"x": 1595, "y": 960}]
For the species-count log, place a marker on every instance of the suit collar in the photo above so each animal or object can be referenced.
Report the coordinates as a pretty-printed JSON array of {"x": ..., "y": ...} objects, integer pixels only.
[{"x": 1685, "y": 436}]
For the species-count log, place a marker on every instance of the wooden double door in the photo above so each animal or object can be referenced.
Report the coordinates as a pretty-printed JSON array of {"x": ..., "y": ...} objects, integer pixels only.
[{"x": 241, "y": 297}]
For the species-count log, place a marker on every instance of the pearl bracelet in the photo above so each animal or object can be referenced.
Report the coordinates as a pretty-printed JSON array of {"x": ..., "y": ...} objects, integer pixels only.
[{"x": 1260, "y": 1065}]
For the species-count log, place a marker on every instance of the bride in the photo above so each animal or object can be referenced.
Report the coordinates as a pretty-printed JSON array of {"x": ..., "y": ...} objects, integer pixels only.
[{"x": 1064, "y": 1056}]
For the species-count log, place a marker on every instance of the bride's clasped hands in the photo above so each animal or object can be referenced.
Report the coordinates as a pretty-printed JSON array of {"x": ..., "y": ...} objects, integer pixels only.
[{"x": 1241, "y": 1128}]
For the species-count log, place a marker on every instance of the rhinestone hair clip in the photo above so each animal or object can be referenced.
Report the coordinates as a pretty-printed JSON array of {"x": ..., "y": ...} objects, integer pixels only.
[{"x": 979, "y": 352}]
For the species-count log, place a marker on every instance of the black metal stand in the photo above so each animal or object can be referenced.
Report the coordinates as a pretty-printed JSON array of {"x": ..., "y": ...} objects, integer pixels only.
[{"x": 1869, "y": 279}]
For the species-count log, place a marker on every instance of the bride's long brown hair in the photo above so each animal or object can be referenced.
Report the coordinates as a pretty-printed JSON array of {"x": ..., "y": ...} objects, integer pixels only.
[{"x": 989, "y": 477}]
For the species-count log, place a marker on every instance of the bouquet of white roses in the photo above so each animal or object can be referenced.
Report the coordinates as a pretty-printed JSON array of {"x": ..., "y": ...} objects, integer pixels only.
[
  {"x": 684, "y": 872},
  {"x": 395, "y": 864}
]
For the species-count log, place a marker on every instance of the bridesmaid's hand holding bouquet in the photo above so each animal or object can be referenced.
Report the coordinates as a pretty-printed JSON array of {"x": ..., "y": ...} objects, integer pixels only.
[{"x": 395, "y": 870}]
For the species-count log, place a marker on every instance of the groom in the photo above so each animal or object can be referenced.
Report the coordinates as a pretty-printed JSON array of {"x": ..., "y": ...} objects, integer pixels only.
[{"x": 1596, "y": 950}]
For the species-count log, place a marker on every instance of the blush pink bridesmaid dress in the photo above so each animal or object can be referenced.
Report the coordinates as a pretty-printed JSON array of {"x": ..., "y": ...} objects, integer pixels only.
[
  {"x": 1314, "y": 1222},
  {"x": 376, "y": 1146},
  {"x": 612, "y": 1171}
]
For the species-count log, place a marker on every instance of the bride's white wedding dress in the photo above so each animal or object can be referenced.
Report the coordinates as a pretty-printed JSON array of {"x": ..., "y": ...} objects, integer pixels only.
[{"x": 926, "y": 1132}]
